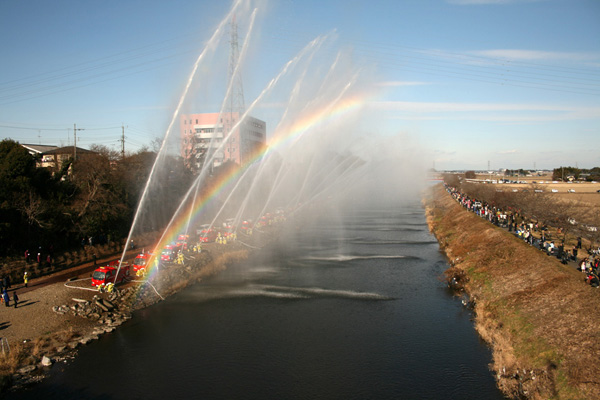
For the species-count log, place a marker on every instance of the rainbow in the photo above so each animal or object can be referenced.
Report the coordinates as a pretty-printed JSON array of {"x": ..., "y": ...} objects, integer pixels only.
[{"x": 288, "y": 135}]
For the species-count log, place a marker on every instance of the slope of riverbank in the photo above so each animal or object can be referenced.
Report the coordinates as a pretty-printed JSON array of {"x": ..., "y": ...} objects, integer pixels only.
[{"x": 538, "y": 316}]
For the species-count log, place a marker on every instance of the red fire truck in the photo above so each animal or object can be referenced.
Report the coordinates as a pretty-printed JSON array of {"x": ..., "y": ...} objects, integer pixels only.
[
  {"x": 206, "y": 234},
  {"x": 182, "y": 242},
  {"x": 140, "y": 262},
  {"x": 169, "y": 253},
  {"x": 108, "y": 274}
]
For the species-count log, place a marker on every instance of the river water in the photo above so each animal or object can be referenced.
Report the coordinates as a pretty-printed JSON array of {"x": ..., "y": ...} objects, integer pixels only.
[{"x": 346, "y": 307}]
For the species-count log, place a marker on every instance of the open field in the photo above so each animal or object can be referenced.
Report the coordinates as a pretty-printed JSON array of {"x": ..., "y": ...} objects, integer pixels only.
[{"x": 582, "y": 192}]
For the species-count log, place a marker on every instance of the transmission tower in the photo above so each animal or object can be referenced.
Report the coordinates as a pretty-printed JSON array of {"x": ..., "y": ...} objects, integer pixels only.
[{"x": 236, "y": 100}]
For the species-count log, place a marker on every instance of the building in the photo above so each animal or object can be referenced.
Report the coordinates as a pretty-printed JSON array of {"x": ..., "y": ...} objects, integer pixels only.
[
  {"x": 38, "y": 150},
  {"x": 52, "y": 157},
  {"x": 203, "y": 134},
  {"x": 56, "y": 158}
]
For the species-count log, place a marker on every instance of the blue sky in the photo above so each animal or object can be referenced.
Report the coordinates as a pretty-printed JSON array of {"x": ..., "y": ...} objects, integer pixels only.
[{"x": 513, "y": 83}]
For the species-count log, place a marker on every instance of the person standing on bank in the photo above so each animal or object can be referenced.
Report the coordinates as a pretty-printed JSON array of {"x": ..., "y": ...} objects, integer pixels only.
[
  {"x": 6, "y": 298},
  {"x": 15, "y": 298},
  {"x": 25, "y": 278}
]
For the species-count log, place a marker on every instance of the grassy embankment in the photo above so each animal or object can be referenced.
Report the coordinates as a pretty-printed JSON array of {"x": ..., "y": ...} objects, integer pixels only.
[{"x": 538, "y": 316}]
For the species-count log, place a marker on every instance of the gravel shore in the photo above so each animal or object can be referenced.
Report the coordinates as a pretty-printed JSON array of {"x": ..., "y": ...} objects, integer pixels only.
[{"x": 34, "y": 317}]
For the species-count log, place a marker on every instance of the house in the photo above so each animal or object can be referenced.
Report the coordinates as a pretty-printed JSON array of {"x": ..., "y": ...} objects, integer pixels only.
[{"x": 55, "y": 158}]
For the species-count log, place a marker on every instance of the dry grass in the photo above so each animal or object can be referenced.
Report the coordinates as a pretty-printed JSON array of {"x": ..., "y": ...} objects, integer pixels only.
[{"x": 541, "y": 320}]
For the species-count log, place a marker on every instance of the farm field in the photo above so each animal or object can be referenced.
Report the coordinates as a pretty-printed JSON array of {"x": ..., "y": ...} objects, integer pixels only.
[{"x": 582, "y": 192}]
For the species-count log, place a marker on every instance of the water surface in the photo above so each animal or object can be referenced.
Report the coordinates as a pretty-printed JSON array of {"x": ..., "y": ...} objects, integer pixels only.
[{"x": 349, "y": 307}]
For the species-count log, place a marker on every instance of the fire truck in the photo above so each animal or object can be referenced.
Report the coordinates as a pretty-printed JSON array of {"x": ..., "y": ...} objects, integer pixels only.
[
  {"x": 206, "y": 234},
  {"x": 169, "y": 253},
  {"x": 246, "y": 226},
  {"x": 141, "y": 262},
  {"x": 264, "y": 220},
  {"x": 108, "y": 274},
  {"x": 228, "y": 230},
  {"x": 182, "y": 242}
]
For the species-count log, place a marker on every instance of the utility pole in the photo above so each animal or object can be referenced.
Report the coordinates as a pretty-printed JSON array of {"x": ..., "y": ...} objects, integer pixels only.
[
  {"x": 74, "y": 146},
  {"x": 75, "y": 140},
  {"x": 122, "y": 141}
]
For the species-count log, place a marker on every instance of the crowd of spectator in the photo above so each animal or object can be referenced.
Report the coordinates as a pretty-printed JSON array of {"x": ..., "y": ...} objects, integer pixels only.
[{"x": 532, "y": 233}]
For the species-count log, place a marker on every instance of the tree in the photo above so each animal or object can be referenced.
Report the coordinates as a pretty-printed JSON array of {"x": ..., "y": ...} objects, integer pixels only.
[
  {"x": 31, "y": 200},
  {"x": 451, "y": 180},
  {"x": 561, "y": 173},
  {"x": 98, "y": 206}
]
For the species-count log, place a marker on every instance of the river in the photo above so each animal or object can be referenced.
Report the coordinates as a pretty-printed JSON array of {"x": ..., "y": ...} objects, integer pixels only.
[{"x": 349, "y": 306}]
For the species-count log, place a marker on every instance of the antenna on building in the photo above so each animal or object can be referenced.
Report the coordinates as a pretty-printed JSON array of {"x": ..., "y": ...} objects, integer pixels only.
[{"x": 236, "y": 101}]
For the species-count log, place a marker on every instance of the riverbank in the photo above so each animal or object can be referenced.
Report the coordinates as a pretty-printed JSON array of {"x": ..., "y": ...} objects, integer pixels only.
[
  {"x": 537, "y": 315},
  {"x": 52, "y": 321}
]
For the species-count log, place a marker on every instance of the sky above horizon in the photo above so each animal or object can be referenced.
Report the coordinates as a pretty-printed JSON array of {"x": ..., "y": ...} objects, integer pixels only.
[{"x": 504, "y": 83}]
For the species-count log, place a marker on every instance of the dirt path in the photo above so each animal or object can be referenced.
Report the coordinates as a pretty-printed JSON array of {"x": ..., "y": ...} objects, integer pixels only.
[{"x": 34, "y": 317}]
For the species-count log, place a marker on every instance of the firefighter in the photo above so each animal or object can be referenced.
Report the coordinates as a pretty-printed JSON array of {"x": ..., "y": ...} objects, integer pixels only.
[
  {"x": 25, "y": 278},
  {"x": 110, "y": 287},
  {"x": 180, "y": 258}
]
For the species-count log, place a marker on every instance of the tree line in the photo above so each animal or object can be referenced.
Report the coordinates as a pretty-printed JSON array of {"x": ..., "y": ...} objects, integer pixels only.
[{"x": 94, "y": 196}]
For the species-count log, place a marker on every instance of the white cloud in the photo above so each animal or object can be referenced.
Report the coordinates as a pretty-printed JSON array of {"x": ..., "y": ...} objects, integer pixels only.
[{"x": 535, "y": 55}]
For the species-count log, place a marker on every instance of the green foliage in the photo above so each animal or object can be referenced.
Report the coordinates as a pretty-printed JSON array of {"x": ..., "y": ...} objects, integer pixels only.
[
  {"x": 95, "y": 195},
  {"x": 562, "y": 173},
  {"x": 516, "y": 172}
]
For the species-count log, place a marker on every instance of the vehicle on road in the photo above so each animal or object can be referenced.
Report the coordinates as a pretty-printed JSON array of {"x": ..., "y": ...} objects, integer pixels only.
[
  {"x": 168, "y": 253},
  {"x": 140, "y": 262},
  {"x": 182, "y": 242},
  {"x": 108, "y": 274},
  {"x": 206, "y": 234},
  {"x": 265, "y": 220},
  {"x": 246, "y": 226}
]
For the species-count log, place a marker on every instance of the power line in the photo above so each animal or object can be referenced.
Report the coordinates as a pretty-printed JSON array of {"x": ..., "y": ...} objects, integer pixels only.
[{"x": 56, "y": 129}]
